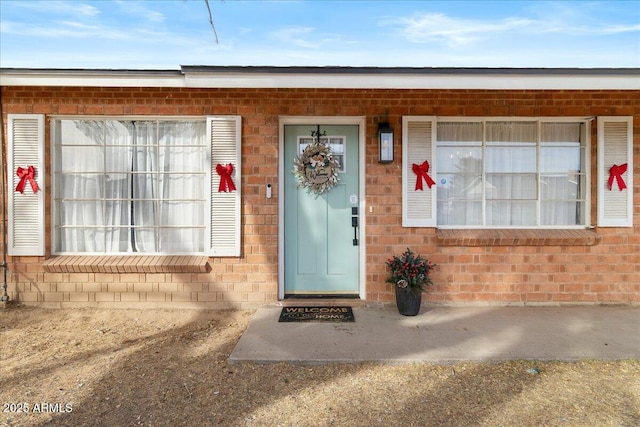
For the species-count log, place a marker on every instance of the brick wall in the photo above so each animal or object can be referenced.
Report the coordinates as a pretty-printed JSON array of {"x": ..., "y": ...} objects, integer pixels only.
[{"x": 548, "y": 273}]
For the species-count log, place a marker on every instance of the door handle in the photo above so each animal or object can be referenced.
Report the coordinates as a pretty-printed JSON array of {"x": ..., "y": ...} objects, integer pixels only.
[{"x": 354, "y": 224}]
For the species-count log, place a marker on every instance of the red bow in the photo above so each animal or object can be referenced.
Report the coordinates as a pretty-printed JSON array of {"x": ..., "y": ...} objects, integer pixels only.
[
  {"x": 616, "y": 173},
  {"x": 421, "y": 173},
  {"x": 226, "y": 183},
  {"x": 24, "y": 175}
]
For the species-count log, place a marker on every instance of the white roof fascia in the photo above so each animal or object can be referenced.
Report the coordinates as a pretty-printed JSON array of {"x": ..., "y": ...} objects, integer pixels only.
[
  {"x": 92, "y": 78},
  {"x": 332, "y": 78},
  {"x": 399, "y": 81}
]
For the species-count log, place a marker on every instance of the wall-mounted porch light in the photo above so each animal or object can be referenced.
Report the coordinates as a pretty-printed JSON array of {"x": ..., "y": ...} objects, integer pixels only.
[{"x": 385, "y": 143}]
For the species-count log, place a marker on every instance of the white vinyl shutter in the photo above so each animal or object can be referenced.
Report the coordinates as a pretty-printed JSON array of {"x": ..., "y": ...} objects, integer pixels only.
[
  {"x": 418, "y": 146},
  {"x": 25, "y": 148},
  {"x": 223, "y": 232},
  {"x": 615, "y": 149}
]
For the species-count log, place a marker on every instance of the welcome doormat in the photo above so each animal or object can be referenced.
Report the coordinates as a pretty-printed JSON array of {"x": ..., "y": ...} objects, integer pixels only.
[{"x": 316, "y": 314}]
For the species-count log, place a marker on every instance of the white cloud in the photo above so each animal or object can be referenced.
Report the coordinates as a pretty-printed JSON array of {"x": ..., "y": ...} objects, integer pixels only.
[
  {"x": 86, "y": 10},
  {"x": 140, "y": 9},
  {"x": 305, "y": 37},
  {"x": 80, "y": 9},
  {"x": 426, "y": 27},
  {"x": 459, "y": 32},
  {"x": 68, "y": 8},
  {"x": 294, "y": 36},
  {"x": 67, "y": 30},
  {"x": 619, "y": 29}
]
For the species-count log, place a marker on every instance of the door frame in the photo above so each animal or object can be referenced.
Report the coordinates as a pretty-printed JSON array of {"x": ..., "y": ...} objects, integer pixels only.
[{"x": 285, "y": 167}]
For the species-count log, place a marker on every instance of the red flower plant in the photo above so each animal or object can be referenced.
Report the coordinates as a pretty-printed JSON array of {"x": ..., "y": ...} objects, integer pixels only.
[{"x": 410, "y": 270}]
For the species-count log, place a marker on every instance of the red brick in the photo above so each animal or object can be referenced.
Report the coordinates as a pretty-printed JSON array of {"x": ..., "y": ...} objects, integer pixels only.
[{"x": 547, "y": 270}]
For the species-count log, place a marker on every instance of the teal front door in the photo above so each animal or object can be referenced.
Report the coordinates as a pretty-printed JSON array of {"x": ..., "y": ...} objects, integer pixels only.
[{"x": 321, "y": 252}]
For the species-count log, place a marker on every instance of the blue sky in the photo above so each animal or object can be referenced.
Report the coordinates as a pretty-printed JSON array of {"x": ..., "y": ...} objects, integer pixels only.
[{"x": 169, "y": 33}]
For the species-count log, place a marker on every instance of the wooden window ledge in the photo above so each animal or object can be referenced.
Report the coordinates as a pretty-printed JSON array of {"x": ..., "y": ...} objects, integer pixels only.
[
  {"x": 127, "y": 264},
  {"x": 517, "y": 237}
]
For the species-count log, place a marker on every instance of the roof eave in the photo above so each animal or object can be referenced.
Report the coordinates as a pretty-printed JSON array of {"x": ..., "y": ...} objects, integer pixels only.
[
  {"x": 334, "y": 78},
  {"x": 91, "y": 77}
]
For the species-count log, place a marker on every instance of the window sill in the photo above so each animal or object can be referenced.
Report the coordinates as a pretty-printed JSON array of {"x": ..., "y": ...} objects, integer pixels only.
[
  {"x": 519, "y": 237},
  {"x": 127, "y": 264}
]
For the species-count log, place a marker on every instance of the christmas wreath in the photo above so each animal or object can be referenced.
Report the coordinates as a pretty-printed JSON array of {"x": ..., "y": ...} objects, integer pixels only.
[{"x": 316, "y": 169}]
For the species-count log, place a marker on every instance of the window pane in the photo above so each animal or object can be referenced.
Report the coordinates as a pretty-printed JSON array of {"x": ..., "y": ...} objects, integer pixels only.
[
  {"x": 459, "y": 132},
  {"x": 511, "y": 213},
  {"x": 117, "y": 212},
  {"x": 514, "y": 158},
  {"x": 562, "y": 213},
  {"x": 511, "y": 132},
  {"x": 560, "y": 159},
  {"x": 459, "y": 187},
  {"x": 82, "y": 239},
  {"x": 81, "y": 212},
  {"x": 145, "y": 239},
  {"x": 181, "y": 147},
  {"x": 82, "y": 132},
  {"x": 119, "y": 147},
  {"x": 118, "y": 239},
  {"x": 81, "y": 159},
  {"x": 562, "y": 187},
  {"x": 451, "y": 212},
  {"x": 508, "y": 186},
  {"x": 78, "y": 186},
  {"x": 561, "y": 132},
  {"x": 182, "y": 240},
  {"x": 116, "y": 186},
  {"x": 144, "y": 213},
  {"x": 182, "y": 213},
  {"x": 336, "y": 145},
  {"x": 145, "y": 186},
  {"x": 459, "y": 159}
]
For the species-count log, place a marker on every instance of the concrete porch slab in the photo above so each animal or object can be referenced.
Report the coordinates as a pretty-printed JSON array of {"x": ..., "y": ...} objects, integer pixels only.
[{"x": 446, "y": 335}]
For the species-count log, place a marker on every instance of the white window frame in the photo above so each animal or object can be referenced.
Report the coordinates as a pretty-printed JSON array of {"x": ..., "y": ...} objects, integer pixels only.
[
  {"x": 232, "y": 154},
  {"x": 409, "y": 177}
]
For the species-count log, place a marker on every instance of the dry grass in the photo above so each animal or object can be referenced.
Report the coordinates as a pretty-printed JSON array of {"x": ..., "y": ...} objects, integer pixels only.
[{"x": 169, "y": 368}]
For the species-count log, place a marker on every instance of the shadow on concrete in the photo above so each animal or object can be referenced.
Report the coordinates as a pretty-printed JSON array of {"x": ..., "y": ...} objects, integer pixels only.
[{"x": 447, "y": 335}]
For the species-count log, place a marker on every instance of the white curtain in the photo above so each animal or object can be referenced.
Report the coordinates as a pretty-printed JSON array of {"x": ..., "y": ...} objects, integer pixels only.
[
  {"x": 511, "y": 170},
  {"x": 80, "y": 217},
  {"x": 131, "y": 187},
  {"x": 459, "y": 173},
  {"x": 562, "y": 180},
  {"x": 521, "y": 170},
  {"x": 182, "y": 164},
  {"x": 118, "y": 153}
]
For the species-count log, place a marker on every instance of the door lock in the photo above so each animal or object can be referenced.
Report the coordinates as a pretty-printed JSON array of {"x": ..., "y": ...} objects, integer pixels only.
[{"x": 354, "y": 224}]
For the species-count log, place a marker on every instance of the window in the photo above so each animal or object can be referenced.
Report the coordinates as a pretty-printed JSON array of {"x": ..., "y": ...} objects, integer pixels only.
[
  {"x": 511, "y": 173},
  {"x": 127, "y": 186},
  {"x": 497, "y": 172},
  {"x": 336, "y": 144}
]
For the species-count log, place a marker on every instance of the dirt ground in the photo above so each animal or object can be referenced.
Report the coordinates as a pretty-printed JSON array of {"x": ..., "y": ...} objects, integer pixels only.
[{"x": 88, "y": 367}]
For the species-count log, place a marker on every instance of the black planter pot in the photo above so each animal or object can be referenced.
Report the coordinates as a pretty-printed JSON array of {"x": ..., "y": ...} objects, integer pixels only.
[{"x": 408, "y": 301}]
